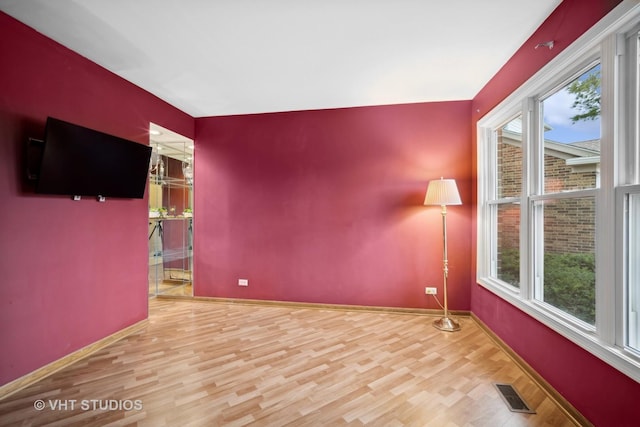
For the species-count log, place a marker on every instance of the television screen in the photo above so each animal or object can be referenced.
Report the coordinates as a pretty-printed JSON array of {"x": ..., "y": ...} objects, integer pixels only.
[{"x": 78, "y": 161}]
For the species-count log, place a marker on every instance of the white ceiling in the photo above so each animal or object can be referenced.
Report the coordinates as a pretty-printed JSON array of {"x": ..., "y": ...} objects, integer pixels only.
[{"x": 222, "y": 57}]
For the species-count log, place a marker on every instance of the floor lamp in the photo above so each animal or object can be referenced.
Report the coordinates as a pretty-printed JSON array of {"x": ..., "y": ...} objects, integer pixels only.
[{"x": 444, "y": 192}]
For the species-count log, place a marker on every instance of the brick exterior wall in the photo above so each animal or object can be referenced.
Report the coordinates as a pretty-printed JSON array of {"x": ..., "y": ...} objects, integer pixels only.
[{"x": 569, "y": 224}]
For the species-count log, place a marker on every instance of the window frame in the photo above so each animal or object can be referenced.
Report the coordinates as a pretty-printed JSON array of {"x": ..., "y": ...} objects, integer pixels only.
[
  {"x": 495, "y": 201},
  {"x": 622, "y": 205},
  {"x": 607, "y": 41}
]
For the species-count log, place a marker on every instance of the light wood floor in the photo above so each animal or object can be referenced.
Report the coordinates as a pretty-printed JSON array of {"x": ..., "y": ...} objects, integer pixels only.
[{"x": 202, "y": 363}]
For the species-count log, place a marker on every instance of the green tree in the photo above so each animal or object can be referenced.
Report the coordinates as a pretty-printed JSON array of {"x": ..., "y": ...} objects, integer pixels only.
[{"x": 587, "y": 93}]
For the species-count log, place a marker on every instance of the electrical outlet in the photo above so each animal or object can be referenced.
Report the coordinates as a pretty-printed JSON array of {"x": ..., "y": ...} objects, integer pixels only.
[
  {"x": 243, "y": 282},
  {"x": 431, "y": 291}
]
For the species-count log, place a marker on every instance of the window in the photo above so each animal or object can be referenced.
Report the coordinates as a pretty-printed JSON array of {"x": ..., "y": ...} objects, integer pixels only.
[
  {"x": 565, "y": 256},
  {"x": 564, "y": 209},
  {"x": 505, "y": 203},
  {"x": 632, "y": 267},
  {"x": 629, "y": 203},
  {"x": 632, "y": 153},
  {"x": 559, "y": 193}
]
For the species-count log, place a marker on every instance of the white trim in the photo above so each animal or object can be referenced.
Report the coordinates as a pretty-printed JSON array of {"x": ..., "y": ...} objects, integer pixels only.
[
  {"x": 628, "y": 270},
  {"x": 483, "y": 224},
  {"x": 571, "y": 194},
  {"x": 605, "y": 342},
  {"x": 605, "y": 200},
  {"x": 580, "y": 161},
  {"x": 630, "y": 106}
]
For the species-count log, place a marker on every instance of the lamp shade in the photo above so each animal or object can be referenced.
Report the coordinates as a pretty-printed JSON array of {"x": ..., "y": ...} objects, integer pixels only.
[{"x": 442, "y": 192}]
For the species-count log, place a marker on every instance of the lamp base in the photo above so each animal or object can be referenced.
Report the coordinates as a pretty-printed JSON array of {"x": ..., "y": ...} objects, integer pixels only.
[{"x": 446, "y": 324}]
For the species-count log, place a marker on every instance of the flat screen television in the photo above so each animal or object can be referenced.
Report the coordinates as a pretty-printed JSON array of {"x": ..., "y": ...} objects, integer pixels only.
[{"x": 77, "y": 161}]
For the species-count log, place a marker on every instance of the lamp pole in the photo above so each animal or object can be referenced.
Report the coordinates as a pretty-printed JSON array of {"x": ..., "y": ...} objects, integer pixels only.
[{"x": 446, "y": 323}]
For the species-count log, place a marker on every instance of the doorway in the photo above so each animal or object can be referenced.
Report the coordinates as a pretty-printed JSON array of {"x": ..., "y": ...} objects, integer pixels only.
[{"x": 170, "y": 213}]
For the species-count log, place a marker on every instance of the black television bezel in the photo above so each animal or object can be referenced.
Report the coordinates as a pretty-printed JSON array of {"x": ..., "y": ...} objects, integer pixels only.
[{"x": 80, "y": 161}]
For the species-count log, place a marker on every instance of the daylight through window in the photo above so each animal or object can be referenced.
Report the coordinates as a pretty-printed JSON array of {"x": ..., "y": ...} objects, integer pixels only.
[{"x": 559, "y": 194}]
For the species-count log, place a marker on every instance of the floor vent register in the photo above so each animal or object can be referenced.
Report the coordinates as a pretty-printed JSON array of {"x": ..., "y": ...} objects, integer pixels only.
[{"x": 513, "y": 399}]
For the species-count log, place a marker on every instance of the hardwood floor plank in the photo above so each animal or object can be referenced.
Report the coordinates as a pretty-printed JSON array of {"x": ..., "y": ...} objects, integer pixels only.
[{"x": 218, "y": 363}]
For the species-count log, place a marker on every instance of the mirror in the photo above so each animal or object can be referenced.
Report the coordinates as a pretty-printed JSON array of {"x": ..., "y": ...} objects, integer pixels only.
[{"x": 170, "y": 213}]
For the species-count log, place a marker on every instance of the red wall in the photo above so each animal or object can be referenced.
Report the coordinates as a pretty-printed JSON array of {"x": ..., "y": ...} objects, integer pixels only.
[
  {"x": 601, "y": 393},
  {"x": 326, "y": 206},
  {"x": 72, "y": 272}
]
